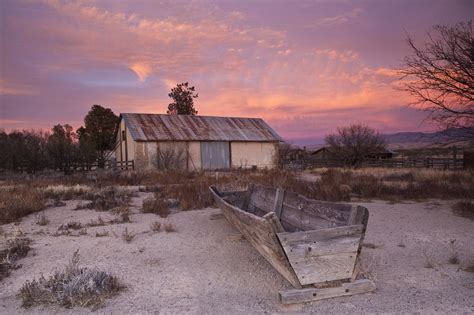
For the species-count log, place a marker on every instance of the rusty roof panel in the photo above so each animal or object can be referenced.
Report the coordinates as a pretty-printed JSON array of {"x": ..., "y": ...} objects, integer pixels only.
[{"x": 158, "y": 127}]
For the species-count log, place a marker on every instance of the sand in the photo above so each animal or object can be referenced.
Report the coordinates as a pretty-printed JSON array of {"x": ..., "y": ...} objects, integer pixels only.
[{"x": 206, "y": 266}]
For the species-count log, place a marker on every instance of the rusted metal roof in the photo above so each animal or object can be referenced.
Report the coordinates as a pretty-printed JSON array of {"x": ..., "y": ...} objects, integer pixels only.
[{"x": 158, "y": 127}]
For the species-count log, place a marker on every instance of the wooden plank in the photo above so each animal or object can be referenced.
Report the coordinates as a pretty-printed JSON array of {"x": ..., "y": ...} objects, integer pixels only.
[
  {"x": 357, "y": 215},
  {"x": 323, "y": 255},
  {"x": 279, "y": 195},
  {"x": 274, "y": 221},
  {"x": 259, "y": 232},
  {"x": 314, "y": 294},
  {"x": 331, "y": 211},
  {"x": 340, "y": 244},
  {"x": 248, "y": 196},
  {"x": 324, "y": 268},
  {"x": 302, "y": 220},
  {"x": 317, "y": 235}
]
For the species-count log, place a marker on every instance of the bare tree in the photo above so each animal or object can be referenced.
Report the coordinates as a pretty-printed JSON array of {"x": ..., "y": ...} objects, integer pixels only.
[
  {"x": 440, "y": 76},
  {"x": 355, "y": 143},
  {"x": 170, "y": 158}
]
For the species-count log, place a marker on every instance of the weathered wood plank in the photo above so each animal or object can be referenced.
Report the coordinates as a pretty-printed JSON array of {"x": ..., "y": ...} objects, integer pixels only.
[
  {"x": 274, "y": 221},
  {"x": 280, "y": 194},
  {"x": 340, "y": 244},
  {"x": 259, "y": 232},
  {"x": 317, "y": 235},
  {"x": 302, "y": 220},
  {"x": 248, "y": 195},
  {"x": 322, "y": 255},
  {"x": 314, "y": 294},
  {"x": 315, "y": 269},
  {"x": 333, "y": 212},
  {"x": 357, "y": 215}
]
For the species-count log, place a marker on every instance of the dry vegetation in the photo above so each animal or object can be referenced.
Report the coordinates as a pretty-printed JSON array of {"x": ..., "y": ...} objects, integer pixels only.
[
  {"x": 74, "y": 286},
  {"x": 19, "y": 201},
  {"x": 13, "y": 250},
  {"x": 464, "y": 208},
  {"x": 156, "y": 205},
  {"x": 190, "y": 190}
]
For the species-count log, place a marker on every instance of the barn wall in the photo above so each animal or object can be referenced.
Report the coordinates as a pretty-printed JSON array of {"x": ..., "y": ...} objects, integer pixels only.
[
  {"x": 130, "y": 147},
  {"x": 247, "y": 154},
  {"x": 146, "y": 153}
]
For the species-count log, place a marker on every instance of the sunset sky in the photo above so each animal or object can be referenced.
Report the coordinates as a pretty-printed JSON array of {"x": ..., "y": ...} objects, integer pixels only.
[{"x": 306, "y": 67}]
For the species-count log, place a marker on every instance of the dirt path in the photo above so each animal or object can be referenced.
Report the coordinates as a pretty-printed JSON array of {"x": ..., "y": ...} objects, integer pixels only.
[{"x": 206, "y": 267}]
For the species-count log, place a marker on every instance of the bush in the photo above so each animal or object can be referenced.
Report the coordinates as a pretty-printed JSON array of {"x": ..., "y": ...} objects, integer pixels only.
[
  {"x": 156, "y": 205},
  {"x": 17, "y": 202},
  {"x": 15, "y": 249},
  {"x": 74, "y": 286},
  {"x": 464, "y": 209}
]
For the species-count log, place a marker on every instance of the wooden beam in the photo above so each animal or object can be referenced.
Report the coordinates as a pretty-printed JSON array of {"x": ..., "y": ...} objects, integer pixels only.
[
  {"x": 314, "y": 294},
  {"x": 280, "y": 193}
]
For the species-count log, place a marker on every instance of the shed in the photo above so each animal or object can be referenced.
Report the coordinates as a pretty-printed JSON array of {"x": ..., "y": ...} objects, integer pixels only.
[{"x": 196, "y": 142}]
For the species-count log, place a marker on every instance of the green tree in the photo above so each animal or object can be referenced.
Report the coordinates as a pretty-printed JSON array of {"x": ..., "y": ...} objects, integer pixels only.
[
  {"x": 86, "y": 150},
  {"x": 183, "y": 96},
  {"x": 354, "y": 143},
  {"x": 100, "y": 126}
]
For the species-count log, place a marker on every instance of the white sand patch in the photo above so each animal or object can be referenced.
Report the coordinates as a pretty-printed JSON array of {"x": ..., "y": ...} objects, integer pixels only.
[{"x": 206, "y": 267}]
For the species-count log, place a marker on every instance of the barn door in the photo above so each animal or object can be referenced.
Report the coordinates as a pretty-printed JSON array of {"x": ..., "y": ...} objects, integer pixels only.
[{"x": 215, "y": 155}]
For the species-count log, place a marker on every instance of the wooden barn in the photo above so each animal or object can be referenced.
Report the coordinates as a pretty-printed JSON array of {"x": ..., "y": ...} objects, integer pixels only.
[{"x": 196, "y": 142}]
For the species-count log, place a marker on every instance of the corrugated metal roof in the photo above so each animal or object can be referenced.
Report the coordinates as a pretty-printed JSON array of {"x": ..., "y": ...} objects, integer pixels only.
[{"x": 158, "y": 127}]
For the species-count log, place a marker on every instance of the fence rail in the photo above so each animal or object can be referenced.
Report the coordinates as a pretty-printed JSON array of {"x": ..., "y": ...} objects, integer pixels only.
[{"x": 437, "y": 163}]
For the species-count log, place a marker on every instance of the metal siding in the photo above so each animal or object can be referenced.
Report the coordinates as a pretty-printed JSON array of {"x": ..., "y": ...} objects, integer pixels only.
[
  {"x": 215, "y": 155},
  {"x": 156, "y": 127}
]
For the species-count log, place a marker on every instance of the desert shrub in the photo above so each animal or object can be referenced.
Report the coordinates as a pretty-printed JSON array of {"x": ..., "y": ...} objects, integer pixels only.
[
  {"x": 155, "y": 226},
  {"x": 169, "y": 227},
  {"x": 66, "y": 192},
  {"x": 14, "y": 249},
  {"x": 194, "y": 195},
  {"x": 19, "y": 201},
  {"x": 156, "y": 205},
  {"x": 127, "y": 236},
  {"x": 170, "y": 158},
  {"x": 74, "y": 286},
  {"x": 102, "y": 234},
  {"x": 73, "y": 225},
  {"x": 464, "y": 208},
  {"x": 122, "y": 213},
  {"x": 42, "y": 219},
  {"x": 108, "y": 198}
]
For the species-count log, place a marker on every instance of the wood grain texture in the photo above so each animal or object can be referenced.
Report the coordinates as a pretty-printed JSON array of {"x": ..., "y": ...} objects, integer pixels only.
[
  {"x": 322, "y": 255},
  {"x": 314, "y": 294},
  {"x": 279, "y": 195}
]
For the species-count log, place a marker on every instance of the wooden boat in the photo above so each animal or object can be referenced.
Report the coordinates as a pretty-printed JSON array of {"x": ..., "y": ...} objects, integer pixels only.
[{"x": 310, "y": 243}]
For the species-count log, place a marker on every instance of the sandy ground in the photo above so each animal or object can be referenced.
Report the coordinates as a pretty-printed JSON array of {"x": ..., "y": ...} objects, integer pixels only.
[{"x": 206, "y": 267}]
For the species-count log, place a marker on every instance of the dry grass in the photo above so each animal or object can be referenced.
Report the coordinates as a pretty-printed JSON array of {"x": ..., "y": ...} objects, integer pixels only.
[
  {"x": 13, "y": 250},
  {"x": 66, "y": 192},
  {"x": 42, "y": 219},
  {"x": 73, "y": 225},
  {"x": 454, "y": 255},
  {"x": 127, "y": 236},
  {"x": 169, "y": 227},
  {"x": 401, "y": 184},
  {"x": 109, "y": 198},
  {"x": 156, "y": 205},
  {"x": 102, "y": 234},
  {"x": 155, "y": 227},
  {"x": 74, "y": 286},
  {"x": 464, "y": 209},
  {"x": 17, "y": 202}
]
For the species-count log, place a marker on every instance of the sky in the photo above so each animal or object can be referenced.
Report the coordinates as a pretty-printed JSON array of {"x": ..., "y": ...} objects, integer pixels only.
[{"x": 306, "y": 67}]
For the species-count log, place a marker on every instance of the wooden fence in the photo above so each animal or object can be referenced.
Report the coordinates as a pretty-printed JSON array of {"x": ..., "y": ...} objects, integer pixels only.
[{"x": 436, "y": 163}]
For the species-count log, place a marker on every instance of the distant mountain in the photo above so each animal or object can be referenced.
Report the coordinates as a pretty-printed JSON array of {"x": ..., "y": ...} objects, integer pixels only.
[{"x": 421, "y": 139}]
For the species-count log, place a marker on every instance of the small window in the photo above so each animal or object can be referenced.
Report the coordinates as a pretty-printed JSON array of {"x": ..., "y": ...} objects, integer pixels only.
[{"x": 123, "y": 135}]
